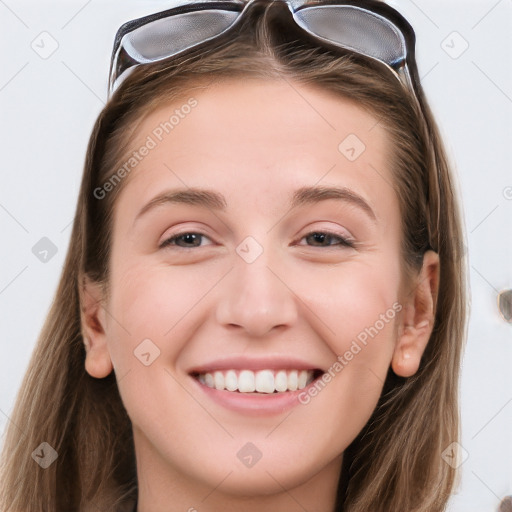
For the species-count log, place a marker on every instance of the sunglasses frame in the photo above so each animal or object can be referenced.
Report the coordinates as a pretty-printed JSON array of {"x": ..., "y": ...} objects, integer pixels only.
[{"x": 405, "y": 70}]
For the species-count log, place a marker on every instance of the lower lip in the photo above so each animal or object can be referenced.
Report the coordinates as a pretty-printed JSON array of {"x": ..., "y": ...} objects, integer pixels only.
[{"x": 260, "y": 404}]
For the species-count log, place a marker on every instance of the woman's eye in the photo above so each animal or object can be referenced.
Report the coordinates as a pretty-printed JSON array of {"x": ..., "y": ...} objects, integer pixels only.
[
  {"x": 324, "y": 239},
  {"x": 189, "y": 239},
  {"x": 315, "y": 238}
]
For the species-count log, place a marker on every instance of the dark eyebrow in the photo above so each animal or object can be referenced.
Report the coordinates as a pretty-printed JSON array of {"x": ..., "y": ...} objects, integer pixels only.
[
  {"x": 193, "y": 196},
  {"x": 215, "y": 201},
  {"x": 310, "y": 195}
]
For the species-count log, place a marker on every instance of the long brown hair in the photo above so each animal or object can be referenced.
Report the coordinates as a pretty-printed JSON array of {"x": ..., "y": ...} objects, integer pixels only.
[{"x": 395, "y": 463}]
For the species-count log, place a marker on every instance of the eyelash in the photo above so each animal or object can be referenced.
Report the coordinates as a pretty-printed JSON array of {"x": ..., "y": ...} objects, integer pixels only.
[{"x": 343, "y": 242}]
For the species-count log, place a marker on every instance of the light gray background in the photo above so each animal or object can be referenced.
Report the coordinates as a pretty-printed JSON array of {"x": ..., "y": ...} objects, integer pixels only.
[{"x": 48, "y": 106}]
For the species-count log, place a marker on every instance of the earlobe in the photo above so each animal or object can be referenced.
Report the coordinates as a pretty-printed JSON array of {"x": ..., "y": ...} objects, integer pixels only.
[
  {"x": 418, "y": 316},
  {"x": 92, "y": 316}
]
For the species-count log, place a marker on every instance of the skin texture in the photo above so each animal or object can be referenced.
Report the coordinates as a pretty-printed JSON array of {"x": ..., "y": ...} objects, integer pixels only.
[{"x": 256, "y": 142}]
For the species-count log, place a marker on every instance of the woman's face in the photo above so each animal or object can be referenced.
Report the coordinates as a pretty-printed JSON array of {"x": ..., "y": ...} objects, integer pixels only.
[{"x": 229, "y": 269}]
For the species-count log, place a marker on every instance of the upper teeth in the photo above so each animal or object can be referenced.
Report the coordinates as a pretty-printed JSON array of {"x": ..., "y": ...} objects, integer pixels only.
[{"x": 263, "y": 381}]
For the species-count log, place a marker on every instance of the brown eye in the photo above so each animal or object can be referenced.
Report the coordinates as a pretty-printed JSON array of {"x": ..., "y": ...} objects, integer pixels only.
[
  {"x": 323, "y": 239},
  {"x": 184, "y": 240}
]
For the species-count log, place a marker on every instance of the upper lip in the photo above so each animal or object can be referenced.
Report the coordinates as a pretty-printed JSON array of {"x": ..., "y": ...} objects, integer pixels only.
[{"x": 254, "y": 364}]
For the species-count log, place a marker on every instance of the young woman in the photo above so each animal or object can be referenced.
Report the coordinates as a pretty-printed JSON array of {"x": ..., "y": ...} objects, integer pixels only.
[{"x": 263, "y": 305}]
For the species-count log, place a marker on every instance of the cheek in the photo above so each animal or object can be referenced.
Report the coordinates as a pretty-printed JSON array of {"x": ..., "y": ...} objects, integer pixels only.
[
  {"x": 153, "y": 313},
  {"x": 357, "y": 302},
  {"x": 359, "y": 308},
  {"x": 154, "y": 303}
]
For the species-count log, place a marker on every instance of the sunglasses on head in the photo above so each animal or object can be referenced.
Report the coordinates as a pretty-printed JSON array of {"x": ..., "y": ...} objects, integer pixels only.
[{"x": 367, "y": 27}]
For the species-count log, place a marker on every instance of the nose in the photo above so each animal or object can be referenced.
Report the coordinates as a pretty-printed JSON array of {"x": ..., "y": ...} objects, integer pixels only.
[{"x": 257, "y": 296}]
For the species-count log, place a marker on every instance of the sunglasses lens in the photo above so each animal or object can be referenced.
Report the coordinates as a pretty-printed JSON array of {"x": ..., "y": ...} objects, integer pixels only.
[
  {"x": 351, "y": 27},
  {"x": 355, "y": 29},
  {"x": 505, "y": 304},
  {"x": 168, "y": 36}
]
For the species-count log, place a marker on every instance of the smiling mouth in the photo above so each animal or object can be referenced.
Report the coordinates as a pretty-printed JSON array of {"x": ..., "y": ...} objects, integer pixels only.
[{"x": 258, "y": 382}]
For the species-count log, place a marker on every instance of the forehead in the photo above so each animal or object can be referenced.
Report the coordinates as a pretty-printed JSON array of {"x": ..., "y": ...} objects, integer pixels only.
[{"x": 260, "y": 136}]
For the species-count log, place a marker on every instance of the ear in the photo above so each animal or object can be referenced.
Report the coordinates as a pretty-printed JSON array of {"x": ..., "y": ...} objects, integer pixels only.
[
  {"x": 92, "y": 316},
  {"x": 417, "y": 320}
]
